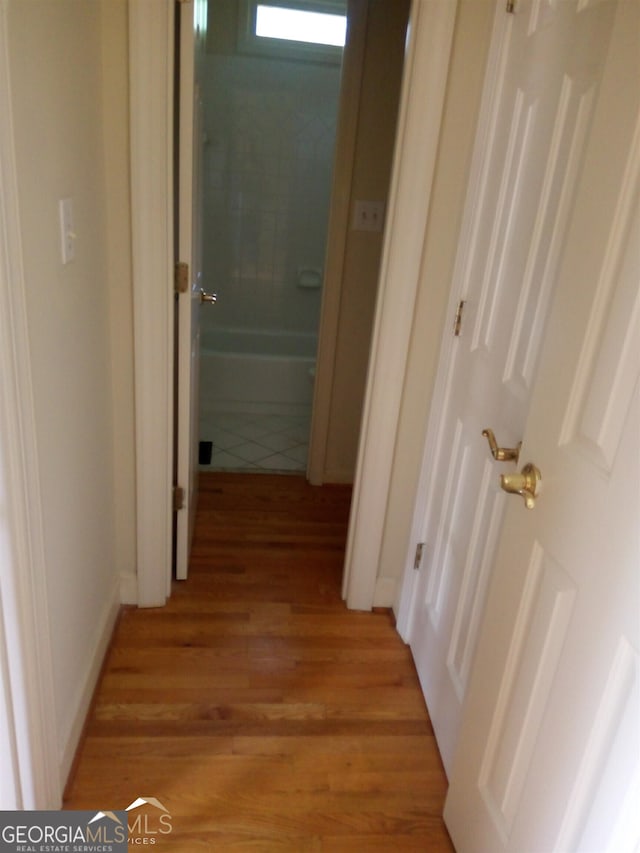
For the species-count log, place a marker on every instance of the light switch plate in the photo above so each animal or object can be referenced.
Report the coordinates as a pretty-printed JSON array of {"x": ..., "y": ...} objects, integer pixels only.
[{"x": 368, "y": 215}]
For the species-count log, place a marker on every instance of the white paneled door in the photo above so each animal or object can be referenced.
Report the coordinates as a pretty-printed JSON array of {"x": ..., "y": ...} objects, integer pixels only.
[
  {"x": 545, "y": 67},
  {"x": 190, "y": 142},
  {"x": 548, "y": 757}
]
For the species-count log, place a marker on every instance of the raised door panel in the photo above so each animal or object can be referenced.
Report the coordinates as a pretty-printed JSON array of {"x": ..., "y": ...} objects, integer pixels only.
[
  {"x": 610, "y": 352},
  {"x": 609, "y": 764},
  {"x": 539, "y": 632}
]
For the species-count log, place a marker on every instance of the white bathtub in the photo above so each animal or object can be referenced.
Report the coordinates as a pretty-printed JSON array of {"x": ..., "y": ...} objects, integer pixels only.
[{"x": 243, "y": 370}]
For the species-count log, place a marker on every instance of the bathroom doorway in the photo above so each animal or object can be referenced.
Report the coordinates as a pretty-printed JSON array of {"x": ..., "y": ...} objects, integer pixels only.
[{"x": 270, "y": 107}]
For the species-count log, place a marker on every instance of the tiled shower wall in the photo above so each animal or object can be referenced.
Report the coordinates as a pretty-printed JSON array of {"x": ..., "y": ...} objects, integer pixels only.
[{"x": 270, "y": 132}]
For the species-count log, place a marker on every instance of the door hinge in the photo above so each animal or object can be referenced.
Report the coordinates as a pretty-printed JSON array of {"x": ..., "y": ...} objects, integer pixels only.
[
  {"x": 178, "y": 498},
  {"x": 511, "y": 6},
  {"x": 418, "y": 557},
  {"x": 457, "y": 323},
  {"x": 181, "y": 277}
]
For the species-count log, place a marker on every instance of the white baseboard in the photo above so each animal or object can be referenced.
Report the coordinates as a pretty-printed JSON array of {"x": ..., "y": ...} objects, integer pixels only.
[
  {"x": 88, "y": 683},
  {"x": 341, "y": 476},
  {"x": 385, "y": 592},
  {"x": 128, "y": 588}
]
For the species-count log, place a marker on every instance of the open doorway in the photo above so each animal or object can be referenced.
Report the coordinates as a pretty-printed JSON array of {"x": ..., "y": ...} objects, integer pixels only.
[
  {"x": 275, "y": 113},
  {"x": 270, "y": 104},
  {"x": 151, "y": 51}
]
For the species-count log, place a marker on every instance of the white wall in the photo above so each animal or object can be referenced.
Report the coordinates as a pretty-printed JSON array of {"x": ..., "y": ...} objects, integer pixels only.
[
  {"x": 55, "y": 68},
  {"x": 386, "y": 24}
]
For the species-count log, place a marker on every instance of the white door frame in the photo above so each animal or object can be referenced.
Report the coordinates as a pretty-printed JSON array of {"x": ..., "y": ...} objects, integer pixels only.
[
  {"x": 27, "y": 715},
  {"x": 151, "y": 49},
  {"x": 423, "y": 91}
]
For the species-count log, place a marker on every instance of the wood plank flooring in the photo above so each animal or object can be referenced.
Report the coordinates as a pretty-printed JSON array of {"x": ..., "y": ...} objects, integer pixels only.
[{"x": 259, "y": 711}]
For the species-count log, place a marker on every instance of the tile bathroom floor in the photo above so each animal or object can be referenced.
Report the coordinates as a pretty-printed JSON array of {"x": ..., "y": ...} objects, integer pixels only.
[{"x": 256, "y": 442}]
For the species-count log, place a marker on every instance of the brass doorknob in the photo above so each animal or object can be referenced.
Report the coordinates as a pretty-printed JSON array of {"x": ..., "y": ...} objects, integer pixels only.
[
  {"x": 525, "y": 484},
  {"x": 211, "y": 298},
  {"x": 501, "y": 454}
]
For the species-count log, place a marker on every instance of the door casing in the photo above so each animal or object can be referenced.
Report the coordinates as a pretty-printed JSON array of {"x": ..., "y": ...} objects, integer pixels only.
[{"x": 151, "y": 48}]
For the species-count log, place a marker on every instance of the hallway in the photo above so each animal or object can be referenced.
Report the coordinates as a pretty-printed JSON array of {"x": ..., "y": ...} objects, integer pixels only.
[{"x": 259, "y": 712}]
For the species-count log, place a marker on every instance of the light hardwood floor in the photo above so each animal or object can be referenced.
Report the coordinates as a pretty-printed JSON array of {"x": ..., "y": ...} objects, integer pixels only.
[{"x": 259, "y": 711}]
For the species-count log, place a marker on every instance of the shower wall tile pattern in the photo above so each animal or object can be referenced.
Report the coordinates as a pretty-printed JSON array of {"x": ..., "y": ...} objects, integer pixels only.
[{"x": 270, "y": 134}]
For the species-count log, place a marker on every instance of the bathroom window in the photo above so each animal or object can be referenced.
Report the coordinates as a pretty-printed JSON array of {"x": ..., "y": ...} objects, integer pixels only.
[
  {"x": 301, "y": 25},
  {"x": 294, "y": 29}
]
